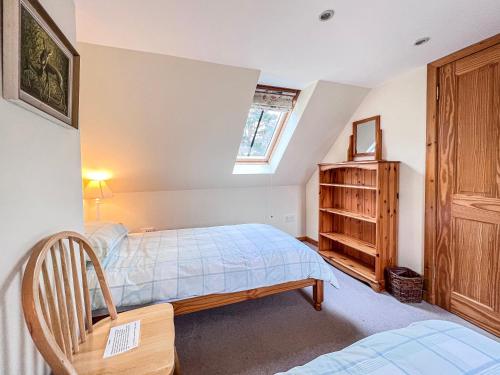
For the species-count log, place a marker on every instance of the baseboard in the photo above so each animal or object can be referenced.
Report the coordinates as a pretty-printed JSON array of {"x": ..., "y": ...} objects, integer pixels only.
[{"x": 308, "y": 239}]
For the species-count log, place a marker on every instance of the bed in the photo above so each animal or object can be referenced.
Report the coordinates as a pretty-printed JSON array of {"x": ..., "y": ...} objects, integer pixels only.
[
  {"x": 200, "y": 268},
  {"x": 423, "y": 348}
]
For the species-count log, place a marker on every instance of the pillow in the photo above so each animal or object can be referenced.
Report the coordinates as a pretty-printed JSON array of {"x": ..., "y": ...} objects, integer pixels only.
[{"x": 104, "y": 237}]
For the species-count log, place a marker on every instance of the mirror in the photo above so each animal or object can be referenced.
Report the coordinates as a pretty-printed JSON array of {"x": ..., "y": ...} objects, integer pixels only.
[
  {"x": 366, "y": 142},
  {"x": 365, "y": 137}
]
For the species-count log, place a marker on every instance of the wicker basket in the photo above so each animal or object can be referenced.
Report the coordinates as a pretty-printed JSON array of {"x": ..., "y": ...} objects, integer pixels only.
[{"x": 404, "y": 284}]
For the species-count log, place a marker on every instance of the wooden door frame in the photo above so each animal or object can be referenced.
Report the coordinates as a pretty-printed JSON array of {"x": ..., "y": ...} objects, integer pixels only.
[{"x": 431, "y": 165}]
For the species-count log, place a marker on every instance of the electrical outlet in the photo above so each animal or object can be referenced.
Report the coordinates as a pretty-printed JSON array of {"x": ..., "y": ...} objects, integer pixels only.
[
  {"x": 147, "y": 229},
  {"x": 289, "y": 218}
]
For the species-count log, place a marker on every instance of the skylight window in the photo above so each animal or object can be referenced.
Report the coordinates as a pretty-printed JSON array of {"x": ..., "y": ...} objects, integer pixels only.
[{"x": 266, "y": 119}]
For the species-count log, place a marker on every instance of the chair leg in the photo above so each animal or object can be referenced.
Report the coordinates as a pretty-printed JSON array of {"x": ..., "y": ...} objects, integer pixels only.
[{"x": 177, "y": 366}]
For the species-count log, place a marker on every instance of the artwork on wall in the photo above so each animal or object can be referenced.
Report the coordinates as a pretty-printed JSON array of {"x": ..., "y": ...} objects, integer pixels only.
[{"x": 41, "y": 67}]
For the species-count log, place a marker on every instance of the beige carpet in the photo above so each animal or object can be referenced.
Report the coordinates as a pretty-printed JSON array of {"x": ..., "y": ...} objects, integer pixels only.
[{"x": 276, "y": 333}]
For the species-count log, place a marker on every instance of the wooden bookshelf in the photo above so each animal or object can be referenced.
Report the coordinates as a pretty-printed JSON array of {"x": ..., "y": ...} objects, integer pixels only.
[{"x": 358, "y": 218}]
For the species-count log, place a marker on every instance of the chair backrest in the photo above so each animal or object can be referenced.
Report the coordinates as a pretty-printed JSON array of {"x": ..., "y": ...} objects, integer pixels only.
[{"x": 54, "y": 281}]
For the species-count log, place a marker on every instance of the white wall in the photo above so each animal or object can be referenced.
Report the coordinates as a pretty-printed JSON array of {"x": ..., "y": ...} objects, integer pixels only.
[
  {"x": 168, "y": 129},
  {"x": 40, "y": 194},
  {"x": 194, "y": 208},
  {"x": 401, "y": 103},
  {"x": 163, "y": 123}
]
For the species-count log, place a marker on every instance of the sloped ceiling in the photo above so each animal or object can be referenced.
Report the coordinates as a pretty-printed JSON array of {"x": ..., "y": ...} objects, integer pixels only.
[
  {"x": 159, "y": 122},
  {"x": 330, "y": 106}
]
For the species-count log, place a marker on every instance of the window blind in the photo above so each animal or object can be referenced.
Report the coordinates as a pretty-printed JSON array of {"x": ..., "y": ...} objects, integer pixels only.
[{"x": 273, "y": 101}]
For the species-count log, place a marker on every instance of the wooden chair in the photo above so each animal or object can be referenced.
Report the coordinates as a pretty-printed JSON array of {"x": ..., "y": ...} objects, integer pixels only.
[{"x": 60, "y": 323}]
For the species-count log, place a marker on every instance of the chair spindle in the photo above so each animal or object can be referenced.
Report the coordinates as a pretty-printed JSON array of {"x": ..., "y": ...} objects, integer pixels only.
[
  {"x": 44, "y": 307},
  {"x": 78, "y": 294},
  {"x": 86, "y": 291},
  {"x": 54, "y": 316},
  {"x": 63, "y": 314},
  {"x": 70, "y": 305}
]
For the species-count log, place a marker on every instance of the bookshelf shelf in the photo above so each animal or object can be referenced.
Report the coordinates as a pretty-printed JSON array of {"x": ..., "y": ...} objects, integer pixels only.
[{"x": 358, "y": 218}]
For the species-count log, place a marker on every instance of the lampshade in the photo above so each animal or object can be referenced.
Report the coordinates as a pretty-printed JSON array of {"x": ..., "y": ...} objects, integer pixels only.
[{"x": 97, "y": 190}]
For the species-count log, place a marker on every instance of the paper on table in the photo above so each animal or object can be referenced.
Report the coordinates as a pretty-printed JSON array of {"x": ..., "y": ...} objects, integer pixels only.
[{"x": 122, "y": 338}]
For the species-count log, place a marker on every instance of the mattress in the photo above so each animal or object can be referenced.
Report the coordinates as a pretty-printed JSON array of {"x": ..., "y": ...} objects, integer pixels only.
[
  {"x": 423, "y": 348},
  {"x": 172, "y": 265}
]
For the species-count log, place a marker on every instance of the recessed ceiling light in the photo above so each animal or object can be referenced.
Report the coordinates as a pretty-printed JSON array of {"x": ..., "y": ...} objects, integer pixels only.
[
  {"x": 421, "y": 41},
  {"x": 326, "y": 15}
]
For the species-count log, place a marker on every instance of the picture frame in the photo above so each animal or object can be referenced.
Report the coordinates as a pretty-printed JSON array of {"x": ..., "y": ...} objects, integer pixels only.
[{"x": 41, "y": 68}]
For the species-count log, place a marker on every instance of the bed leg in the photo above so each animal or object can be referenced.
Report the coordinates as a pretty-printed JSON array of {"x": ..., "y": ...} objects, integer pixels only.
[{"x": 318, "y": 294}]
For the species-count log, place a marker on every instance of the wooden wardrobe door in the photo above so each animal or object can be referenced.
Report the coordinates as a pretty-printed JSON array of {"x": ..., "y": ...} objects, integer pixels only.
[{"x": 468, "y": 209}]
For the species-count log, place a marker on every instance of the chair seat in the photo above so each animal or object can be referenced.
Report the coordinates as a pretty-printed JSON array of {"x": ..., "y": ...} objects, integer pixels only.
[{"x": 154, "y": 355}]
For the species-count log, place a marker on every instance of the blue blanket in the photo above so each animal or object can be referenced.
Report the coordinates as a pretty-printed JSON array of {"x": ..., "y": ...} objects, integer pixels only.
[{"x": 430, "y": 347}]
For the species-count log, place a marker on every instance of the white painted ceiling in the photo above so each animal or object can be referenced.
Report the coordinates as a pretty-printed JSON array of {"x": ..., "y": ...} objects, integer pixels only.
[{"x": 365, "y": 43}]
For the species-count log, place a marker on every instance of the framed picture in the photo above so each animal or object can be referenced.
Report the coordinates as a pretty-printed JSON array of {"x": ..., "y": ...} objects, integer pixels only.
[{"x": 41, "y": 69}]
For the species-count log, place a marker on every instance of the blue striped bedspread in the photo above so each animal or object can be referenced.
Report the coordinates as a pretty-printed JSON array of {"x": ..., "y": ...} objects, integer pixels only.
[
  {"x": 172, "y": 265},
  {"x": 431, "y": 347}
]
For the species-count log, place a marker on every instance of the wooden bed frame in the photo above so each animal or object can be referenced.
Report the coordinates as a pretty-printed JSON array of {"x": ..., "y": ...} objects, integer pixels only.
[
  {"x": 211, "y": 301},
  {"x": 215, "y": 300}
]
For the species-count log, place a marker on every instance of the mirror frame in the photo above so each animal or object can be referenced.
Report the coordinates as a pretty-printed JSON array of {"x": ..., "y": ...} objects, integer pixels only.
[{"x": 353, "y": 154}]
